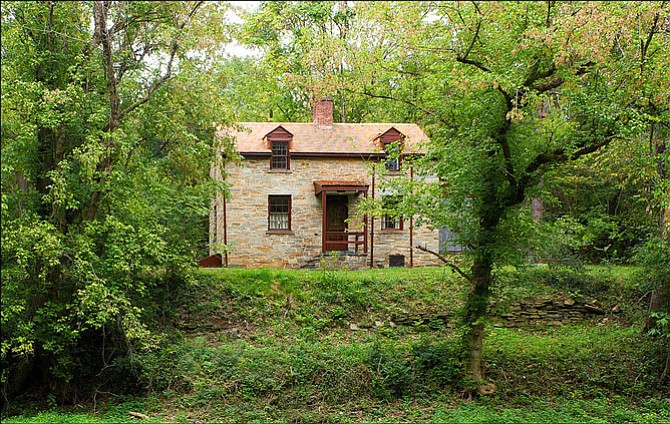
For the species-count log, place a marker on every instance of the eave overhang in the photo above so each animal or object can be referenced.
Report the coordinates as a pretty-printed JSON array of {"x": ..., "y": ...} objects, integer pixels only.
[{"x": 328, "y": 186}]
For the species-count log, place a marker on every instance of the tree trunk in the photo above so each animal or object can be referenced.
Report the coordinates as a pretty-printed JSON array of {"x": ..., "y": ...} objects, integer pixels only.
[
  {"x": 477, "y": 302},
  {"x": 660, "y": 295},
  {"x": 476, "y": 306},
  {"x": 103, "y": 37},
  {"x": 658, "y": 301}
]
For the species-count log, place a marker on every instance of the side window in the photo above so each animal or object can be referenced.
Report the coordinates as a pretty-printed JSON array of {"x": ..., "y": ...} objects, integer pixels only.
[
  {"x": 279, "y": 213},
  {"x": 391, "y": 220},
  {"x": 280, "y": 156}
]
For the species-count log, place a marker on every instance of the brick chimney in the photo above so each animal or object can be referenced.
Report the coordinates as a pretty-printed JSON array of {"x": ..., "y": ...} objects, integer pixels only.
[{"x": 322, "y": 113}]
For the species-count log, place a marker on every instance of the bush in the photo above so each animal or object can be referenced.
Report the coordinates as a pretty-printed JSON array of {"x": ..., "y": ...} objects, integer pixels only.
[
  {"x": 395, "y": 376},
  {"x": 439, "y": 363}
]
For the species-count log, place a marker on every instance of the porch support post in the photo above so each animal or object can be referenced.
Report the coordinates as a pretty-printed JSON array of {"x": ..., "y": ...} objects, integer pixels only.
[
  {"x": 225, "y": 231},
  {"x": 323, "y": 221},
  {"x": 365, "y": 227},
  {"x": 411, "y": 229}
]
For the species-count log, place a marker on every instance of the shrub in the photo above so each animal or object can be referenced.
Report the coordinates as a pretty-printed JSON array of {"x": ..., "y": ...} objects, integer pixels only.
[
  {"x": 439, "y": 363},
  {"x": 395, "y": 376}
]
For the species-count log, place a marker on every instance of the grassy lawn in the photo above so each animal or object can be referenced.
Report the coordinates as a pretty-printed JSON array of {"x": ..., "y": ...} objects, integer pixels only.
[
  {"x": 433, "y": 410},
  {"x": 329, "y": 346}
]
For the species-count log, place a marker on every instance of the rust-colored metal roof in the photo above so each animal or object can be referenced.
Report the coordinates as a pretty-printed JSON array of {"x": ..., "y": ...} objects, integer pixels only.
[
  {"x": 342, "y": 138},
  {"x": 333, "y": 185}
]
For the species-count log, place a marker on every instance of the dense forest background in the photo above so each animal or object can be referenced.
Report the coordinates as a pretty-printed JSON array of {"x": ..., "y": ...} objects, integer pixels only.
[{"x": 108, "y": 117}]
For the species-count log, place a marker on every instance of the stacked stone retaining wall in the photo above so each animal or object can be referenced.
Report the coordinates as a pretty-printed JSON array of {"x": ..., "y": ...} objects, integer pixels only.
[
  {"x": 547, "y": 312},
  {"x": 525, "y": 313}
]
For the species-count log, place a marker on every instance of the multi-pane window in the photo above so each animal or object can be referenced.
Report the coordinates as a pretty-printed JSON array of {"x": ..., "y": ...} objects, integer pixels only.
[
  {"x": 392, "y": 164},
  {"x": 391, "y": 220},
  {"x": 279, "y": 213},
  {"x": 279, "y": 159},
  {"x": 392, "y": 157}
]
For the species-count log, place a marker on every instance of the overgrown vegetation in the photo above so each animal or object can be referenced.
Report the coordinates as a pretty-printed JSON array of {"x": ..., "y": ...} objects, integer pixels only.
[
  {"x": 280, "y": 345},
  {"x": 107, "y": 133},
  {"x": 107, "y": 139}
]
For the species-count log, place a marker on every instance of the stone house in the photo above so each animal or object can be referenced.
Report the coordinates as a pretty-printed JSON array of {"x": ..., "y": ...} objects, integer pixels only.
[{"x": 294, "y": 194}]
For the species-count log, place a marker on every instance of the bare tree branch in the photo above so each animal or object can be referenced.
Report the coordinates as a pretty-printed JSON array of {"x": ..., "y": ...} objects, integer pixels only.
[
  {"x": 644, "y": 45},
  {"x": 446, "y": 262},
  {"x": 559, "y": 155},
  {"x": 407, "y": 102},
  {"x": 535, "y": 75},
  {"x": 555, "y": 82},
  {"x": 168, "y": 72},
  {"x": 474, "y": 63},
  {"x": 507, "y": 154},
  {"x": 548, "y": 85},
  {"x": 548, "y": 19},
  {"x": 474, "y": 39}
]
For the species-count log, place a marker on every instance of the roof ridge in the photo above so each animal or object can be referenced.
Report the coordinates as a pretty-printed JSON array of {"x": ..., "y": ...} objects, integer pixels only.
[
  {"x": 334, "y": 123},
  {"x": 307, "y": 137}
]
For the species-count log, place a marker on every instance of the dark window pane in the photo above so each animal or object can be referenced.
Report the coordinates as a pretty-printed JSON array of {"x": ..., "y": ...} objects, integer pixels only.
[
  {"x": 392, "y": 165},
  {"x": 392, "y": 157},
  {"x": 391, "y": 221},
  {"x": 279, "y": 149},
  {"x": 279, "y": 158},
  {"x": 279, "y": 213},
  {"x": 278, "y": 162}
]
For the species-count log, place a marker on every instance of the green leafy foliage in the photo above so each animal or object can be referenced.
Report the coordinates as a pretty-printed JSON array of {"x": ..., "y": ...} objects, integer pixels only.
[
  {"x": 509, "y": 93},
  {"x": 240, "y": 351},
  {"x": 106, "y": 149},
  {"x": 654, "y": 256}
]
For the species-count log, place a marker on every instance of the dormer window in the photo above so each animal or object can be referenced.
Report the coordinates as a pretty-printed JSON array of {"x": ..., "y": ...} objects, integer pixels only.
[
  {"x": 279, "y": 158},
  {"x": 392, "y": 141},
  {"x": 392, "y": 162},
  {"x": 279, "y": 142}
]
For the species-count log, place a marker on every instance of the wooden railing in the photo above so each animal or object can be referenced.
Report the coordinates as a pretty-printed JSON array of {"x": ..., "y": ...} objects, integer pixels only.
[{"x": 342, "y": 240}]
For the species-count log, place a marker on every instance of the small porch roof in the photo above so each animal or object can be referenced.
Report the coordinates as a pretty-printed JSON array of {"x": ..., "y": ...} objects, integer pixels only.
[{"x": 321, "y": 186}]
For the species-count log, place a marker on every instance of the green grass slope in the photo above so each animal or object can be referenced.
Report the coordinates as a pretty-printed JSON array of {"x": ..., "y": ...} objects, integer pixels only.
[{"x": 383, "y": 346}]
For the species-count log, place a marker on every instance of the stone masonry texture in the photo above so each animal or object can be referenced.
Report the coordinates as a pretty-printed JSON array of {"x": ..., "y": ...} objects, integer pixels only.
[{"x": 251, "y": 244}]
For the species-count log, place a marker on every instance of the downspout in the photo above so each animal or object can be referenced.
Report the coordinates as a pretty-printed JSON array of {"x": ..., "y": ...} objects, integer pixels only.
[
  {"x": 411, "y": 229},
  {"x": 222, "y": 174},
  {"x": 372, "y": 227}
]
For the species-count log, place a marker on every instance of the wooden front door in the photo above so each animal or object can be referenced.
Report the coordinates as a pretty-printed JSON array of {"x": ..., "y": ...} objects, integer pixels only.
[{"x": 337, "y": 211}]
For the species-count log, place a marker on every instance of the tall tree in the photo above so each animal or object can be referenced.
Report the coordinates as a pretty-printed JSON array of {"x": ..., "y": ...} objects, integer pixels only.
[
  {"x": 512, "y": 90},
  {"x": 306, "y": 47},
  {"x": 107, "y": 130}
]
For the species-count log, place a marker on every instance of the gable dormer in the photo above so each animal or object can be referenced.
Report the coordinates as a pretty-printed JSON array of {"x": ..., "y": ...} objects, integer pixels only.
[
  {"x": 390, "y": 140},
  {"x": 278, "y": 134},
  {"x": 391, "y": 136},
  {"x": 279, "y": 142}
]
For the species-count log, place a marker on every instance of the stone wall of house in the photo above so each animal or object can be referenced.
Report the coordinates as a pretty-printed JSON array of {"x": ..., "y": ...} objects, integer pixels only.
[
  {"x": 252, "y": 245},
  {"x": 397, "y": 243}
]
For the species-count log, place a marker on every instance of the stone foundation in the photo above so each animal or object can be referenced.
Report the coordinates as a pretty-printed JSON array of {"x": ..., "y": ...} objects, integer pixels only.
[{"x": 339, "y": 261}]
